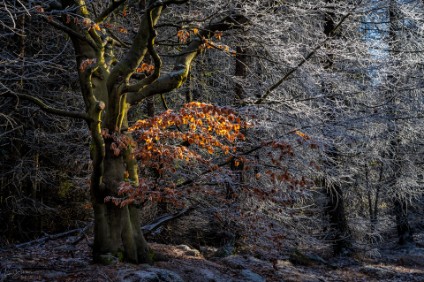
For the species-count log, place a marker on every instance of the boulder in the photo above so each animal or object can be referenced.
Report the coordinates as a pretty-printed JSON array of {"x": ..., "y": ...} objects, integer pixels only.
[{"x": 151, "y": 274}]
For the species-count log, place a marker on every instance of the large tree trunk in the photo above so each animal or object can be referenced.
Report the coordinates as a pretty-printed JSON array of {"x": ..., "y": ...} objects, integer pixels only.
[
  {"x": 108, "y": 94},
  {"x": 117, "y": 230},
  {"x": 118, "y": 234}
]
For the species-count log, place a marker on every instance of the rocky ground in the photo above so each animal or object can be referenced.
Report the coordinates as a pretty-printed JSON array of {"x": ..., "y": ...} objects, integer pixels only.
[{"x": 68, "y": 259}]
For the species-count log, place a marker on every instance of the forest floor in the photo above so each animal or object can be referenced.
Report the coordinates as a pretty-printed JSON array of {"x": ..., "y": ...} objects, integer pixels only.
[{"x": 68, "y": 259}]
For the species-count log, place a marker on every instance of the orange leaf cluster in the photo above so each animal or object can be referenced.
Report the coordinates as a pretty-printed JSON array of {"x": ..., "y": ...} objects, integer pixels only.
[
  {"x": 95, "y": 27},
  {"x": 110, "y": 26},
  {"x": 285, "y": 149},
  {"x": 301, "y": 134},
  {"x": 208, "y": 44},
  {"x": 145, "y": 68},
  {"x": 196, "y": 129},
  {"x": 87, "y": 23},
  {"x": 119, "y": 142},
  {"x": 218, "y": 35},
  {"x": 86, "y": 63},
  {"x": 183, "y": 35},
  {"x": 122, "y": 29},
  {"x": 306, "y": 140},
  {"x": 129, "y": 194}
]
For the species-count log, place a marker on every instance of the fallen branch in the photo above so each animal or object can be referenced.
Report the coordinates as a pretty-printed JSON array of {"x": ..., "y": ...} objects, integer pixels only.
[
  {"x": 82, "y": 235},
  {"x": 52, "y": 237},
  {"x": 155, "y": 224}
]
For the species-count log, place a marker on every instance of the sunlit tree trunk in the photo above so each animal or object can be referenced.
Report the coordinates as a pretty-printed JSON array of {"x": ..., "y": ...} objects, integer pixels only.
[{"x": 117, "y": 230}]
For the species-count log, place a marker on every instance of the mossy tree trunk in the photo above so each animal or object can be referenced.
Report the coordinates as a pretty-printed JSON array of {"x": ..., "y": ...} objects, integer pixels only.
[{"x": 117, "y": 230}]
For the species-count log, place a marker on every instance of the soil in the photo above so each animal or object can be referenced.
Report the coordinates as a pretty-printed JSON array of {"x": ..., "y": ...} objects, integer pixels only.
[{"x": 69, "y": 259}]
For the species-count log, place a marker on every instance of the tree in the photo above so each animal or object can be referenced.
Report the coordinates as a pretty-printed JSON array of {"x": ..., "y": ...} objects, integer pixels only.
[
  {"x": 335, "y": 206},
  {"x": 111, "y": 83}
]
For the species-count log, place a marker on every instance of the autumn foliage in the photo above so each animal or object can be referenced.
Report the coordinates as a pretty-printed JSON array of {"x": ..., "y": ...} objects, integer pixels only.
[
  {"x": 173, "y": 140},
  {"x": 184, "y": 36}
]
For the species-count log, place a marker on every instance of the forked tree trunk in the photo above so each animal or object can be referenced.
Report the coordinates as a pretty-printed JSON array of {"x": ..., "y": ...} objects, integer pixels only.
[{"x": 117, "y": 230}]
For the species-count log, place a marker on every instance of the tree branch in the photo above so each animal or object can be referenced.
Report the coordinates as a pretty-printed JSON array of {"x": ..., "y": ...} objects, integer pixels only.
[
  {"x": 103, "y": 15},
  {"x": 244, "y": 153},
  {"x": 128, "y": 65},
  {"x": 139, "y": 48},
  {"x": 304, "y": 60},
  {"x": 70, "y": 31},
  {"x": 46, "y": 108},
  {"x": 177, "y": 77},
  {"x": 46, "y": 238},
  {"x": 157, "y": 60},
  {"x": 169, "y": 81},
  {"x": 158, "y": 222}
]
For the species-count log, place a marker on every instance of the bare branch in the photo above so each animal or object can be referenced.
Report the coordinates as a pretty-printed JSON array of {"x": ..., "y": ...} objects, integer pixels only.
[
  {"x": 157, "y": 60},
  {"x": 69, "y": 31},
  {"x": 103, "y": 15},
  {"x": 304, "y": 60},
  {"x": 46, "y": 108}
]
